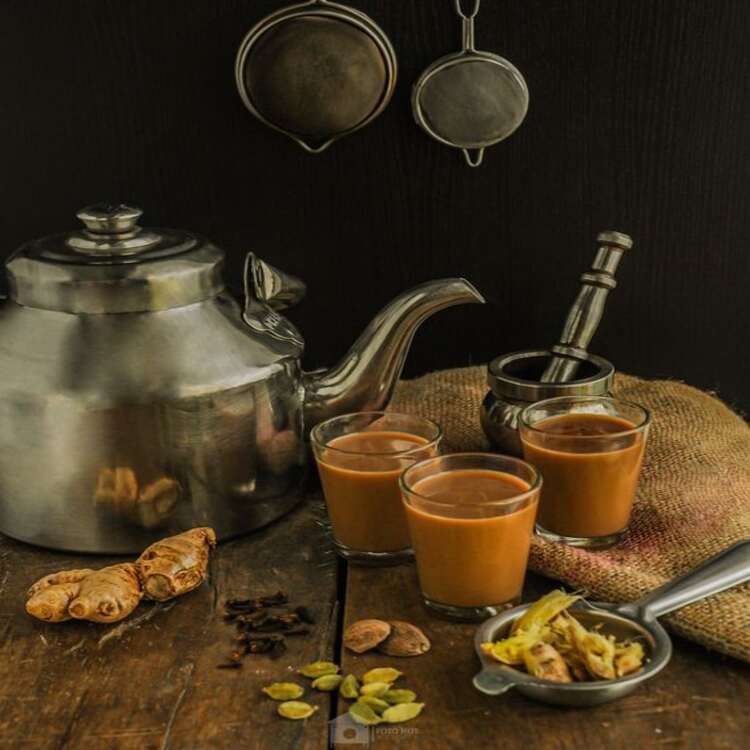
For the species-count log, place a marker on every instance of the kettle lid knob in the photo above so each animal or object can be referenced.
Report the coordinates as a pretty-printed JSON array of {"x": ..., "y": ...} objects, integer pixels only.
[
  {"x": 106, "y": 218},
  {"x": 112, "y": 230}
]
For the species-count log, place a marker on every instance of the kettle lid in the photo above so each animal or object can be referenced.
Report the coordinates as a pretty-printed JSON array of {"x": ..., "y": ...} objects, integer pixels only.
[{"x": 112, "y": 265}]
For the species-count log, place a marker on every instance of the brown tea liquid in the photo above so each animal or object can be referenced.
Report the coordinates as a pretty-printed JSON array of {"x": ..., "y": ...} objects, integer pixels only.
[
  {"x": 589, "y": 484},
  {"x": 359, "y": 473},
  {"x": 469, "y": 552}
]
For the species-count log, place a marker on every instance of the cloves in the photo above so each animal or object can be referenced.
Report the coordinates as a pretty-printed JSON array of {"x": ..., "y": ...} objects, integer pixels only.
[{"x": 260, "y": 631}]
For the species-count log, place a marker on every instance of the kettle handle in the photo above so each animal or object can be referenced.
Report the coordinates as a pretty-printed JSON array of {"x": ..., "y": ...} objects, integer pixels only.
[{"x": 264, "y": 283}]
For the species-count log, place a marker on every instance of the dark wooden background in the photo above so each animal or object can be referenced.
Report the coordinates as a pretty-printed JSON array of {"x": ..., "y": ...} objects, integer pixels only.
[{"x": 639, "y": 121}]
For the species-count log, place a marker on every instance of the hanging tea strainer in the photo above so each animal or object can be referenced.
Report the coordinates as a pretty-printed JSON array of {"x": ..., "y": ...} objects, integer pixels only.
[
  {"x": 316, "y": 71},
  {"x": 470, "y": 99}
]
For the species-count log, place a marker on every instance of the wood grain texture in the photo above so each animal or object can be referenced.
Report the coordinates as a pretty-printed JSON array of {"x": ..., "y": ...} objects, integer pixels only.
[
  {"x": 638, "y": 122},
  {"x": 695, "y": 703},
  {"x": 154, "y": 683}
]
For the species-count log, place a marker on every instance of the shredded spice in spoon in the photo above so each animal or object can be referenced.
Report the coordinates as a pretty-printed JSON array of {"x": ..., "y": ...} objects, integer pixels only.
[{"x": 551, "y": 644}]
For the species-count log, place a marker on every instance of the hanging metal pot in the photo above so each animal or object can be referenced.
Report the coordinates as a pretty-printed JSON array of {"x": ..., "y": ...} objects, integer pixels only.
[{"x": 316, "y": 72}]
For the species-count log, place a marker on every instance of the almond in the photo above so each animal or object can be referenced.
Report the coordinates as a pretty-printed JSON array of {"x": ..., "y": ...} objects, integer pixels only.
[
  {"x": 364, "y": 635},
  {"x": 405, "y": 639}
]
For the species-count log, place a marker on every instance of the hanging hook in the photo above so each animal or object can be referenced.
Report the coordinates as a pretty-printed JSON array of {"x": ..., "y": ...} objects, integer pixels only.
[
  {"x": 467, "y": 25},
  {"x": 471, "y": 14}
]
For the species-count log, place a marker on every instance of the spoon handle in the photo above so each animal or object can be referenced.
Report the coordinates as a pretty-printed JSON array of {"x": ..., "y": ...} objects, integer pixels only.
[{"x": 729, "y": 568}]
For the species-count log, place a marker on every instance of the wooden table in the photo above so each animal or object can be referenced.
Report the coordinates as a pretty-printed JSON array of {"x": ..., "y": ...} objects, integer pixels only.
[{"x": 152, "y": 682}]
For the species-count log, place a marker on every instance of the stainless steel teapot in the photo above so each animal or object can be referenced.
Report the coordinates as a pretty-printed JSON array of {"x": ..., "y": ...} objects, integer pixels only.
[{"x": 137, "y": 399}]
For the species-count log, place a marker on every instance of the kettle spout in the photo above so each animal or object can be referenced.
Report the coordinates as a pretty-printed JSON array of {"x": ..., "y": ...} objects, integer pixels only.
[{"x": 364, "y": 380}]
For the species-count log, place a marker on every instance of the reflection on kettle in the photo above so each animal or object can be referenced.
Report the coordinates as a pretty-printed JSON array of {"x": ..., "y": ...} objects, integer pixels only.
[
  {"x": 123, "y": 341},
  {"x": 117, "y": 494}
]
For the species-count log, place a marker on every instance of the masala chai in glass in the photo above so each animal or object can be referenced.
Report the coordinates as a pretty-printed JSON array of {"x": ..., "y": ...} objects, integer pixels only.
[
  {"x": 589, "y": 451},
  {"x": 360, "y": 457},
  {"x": 471, "y": 518}
]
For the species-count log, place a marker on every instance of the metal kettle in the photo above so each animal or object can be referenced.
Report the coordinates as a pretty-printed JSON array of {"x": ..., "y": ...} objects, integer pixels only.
[{"x": 139, "y": 399}]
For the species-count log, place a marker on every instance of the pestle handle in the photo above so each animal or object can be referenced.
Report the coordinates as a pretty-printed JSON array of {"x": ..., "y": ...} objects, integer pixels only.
[{"x": 587, "y": 310}]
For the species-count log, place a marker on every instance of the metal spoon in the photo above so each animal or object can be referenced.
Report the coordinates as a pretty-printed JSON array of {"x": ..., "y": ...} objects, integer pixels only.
[{"x": 634, "y": 620}]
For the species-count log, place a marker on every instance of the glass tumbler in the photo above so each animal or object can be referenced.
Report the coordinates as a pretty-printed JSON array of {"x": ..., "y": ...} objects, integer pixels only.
[
  {"x": 471, "y": 519},
  {"x": 589, "y": 450},
  {"x": 360, "y": 457}
]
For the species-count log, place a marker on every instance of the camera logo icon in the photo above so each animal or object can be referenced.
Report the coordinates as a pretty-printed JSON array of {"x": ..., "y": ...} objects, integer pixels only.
[{"x": 345, "y": 731}]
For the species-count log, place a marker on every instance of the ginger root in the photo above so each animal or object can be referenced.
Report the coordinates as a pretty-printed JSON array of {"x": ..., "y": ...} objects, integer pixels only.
[
  {"x": 107, "y": 595},
  {"x": 544, "y": 661},
  {"x": 177, "y": 564},
  {"x": 166, "y": 569},
  {"x": 50, "y": 596}
]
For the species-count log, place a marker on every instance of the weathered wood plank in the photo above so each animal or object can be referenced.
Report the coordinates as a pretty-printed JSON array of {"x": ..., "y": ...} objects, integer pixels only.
[
  {"x": 154, "y": 683},
  {"x": 698, "y": 702}
]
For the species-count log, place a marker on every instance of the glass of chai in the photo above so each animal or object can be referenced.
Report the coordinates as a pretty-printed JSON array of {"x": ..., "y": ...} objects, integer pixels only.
[
  {"x": 360, "y": 457},
  {"x": 589, "y": 450},
  {"x": 471, "y": 518}
]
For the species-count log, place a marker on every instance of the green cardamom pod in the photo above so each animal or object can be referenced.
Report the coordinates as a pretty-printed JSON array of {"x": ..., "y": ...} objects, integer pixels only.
[
  {"x": 363, "y": 714},
  {"x": 284, "y": 691},
  {"x": 318, "y": 669},
  {"x": 349, "y": 687},
  {"x": 399, "y": 696},
  {"x": 376, "y": 704},
  {"x": 296, "y": 710},
  {"x": 381, "y": 674},
  {"x": 327, "y": 682},
  {"x": 378, "y": 689},
  {"x": 402, "y": 712}
]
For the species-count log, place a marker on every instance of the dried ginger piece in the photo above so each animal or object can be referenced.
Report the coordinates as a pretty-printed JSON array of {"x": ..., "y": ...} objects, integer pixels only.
[
  {"x": 176, "y": 565},
  {"x": 544, "y": 661},
  {"x": 107, "y": 595},
  {"x": 561, "y": 638},
  {"x": 576, "y": 666},
  {"x": 511, "y": 650},
  {"x": 545, "y": 609},
  {"x": 628, "y": 658},
  {"x": 597, "y": 651},
  {"x": 50, "y": 596},
  {"x": 530, "y": 628}
]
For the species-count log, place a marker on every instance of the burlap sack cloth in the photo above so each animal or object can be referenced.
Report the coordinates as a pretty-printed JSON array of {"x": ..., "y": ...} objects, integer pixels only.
[{"x": 693, "y": 500}]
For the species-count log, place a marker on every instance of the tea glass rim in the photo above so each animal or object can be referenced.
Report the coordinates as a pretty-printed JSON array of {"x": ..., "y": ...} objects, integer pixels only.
[
  {"x": 533, "y": 489},
  {"x": 640, "y": 427},
  {"x": 322, "y": 444}
]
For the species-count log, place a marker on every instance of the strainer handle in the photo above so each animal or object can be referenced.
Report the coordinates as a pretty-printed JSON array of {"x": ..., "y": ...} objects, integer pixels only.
[
  {"x": 729, "y": 568},
  {"x": 491, "y": 681}
]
